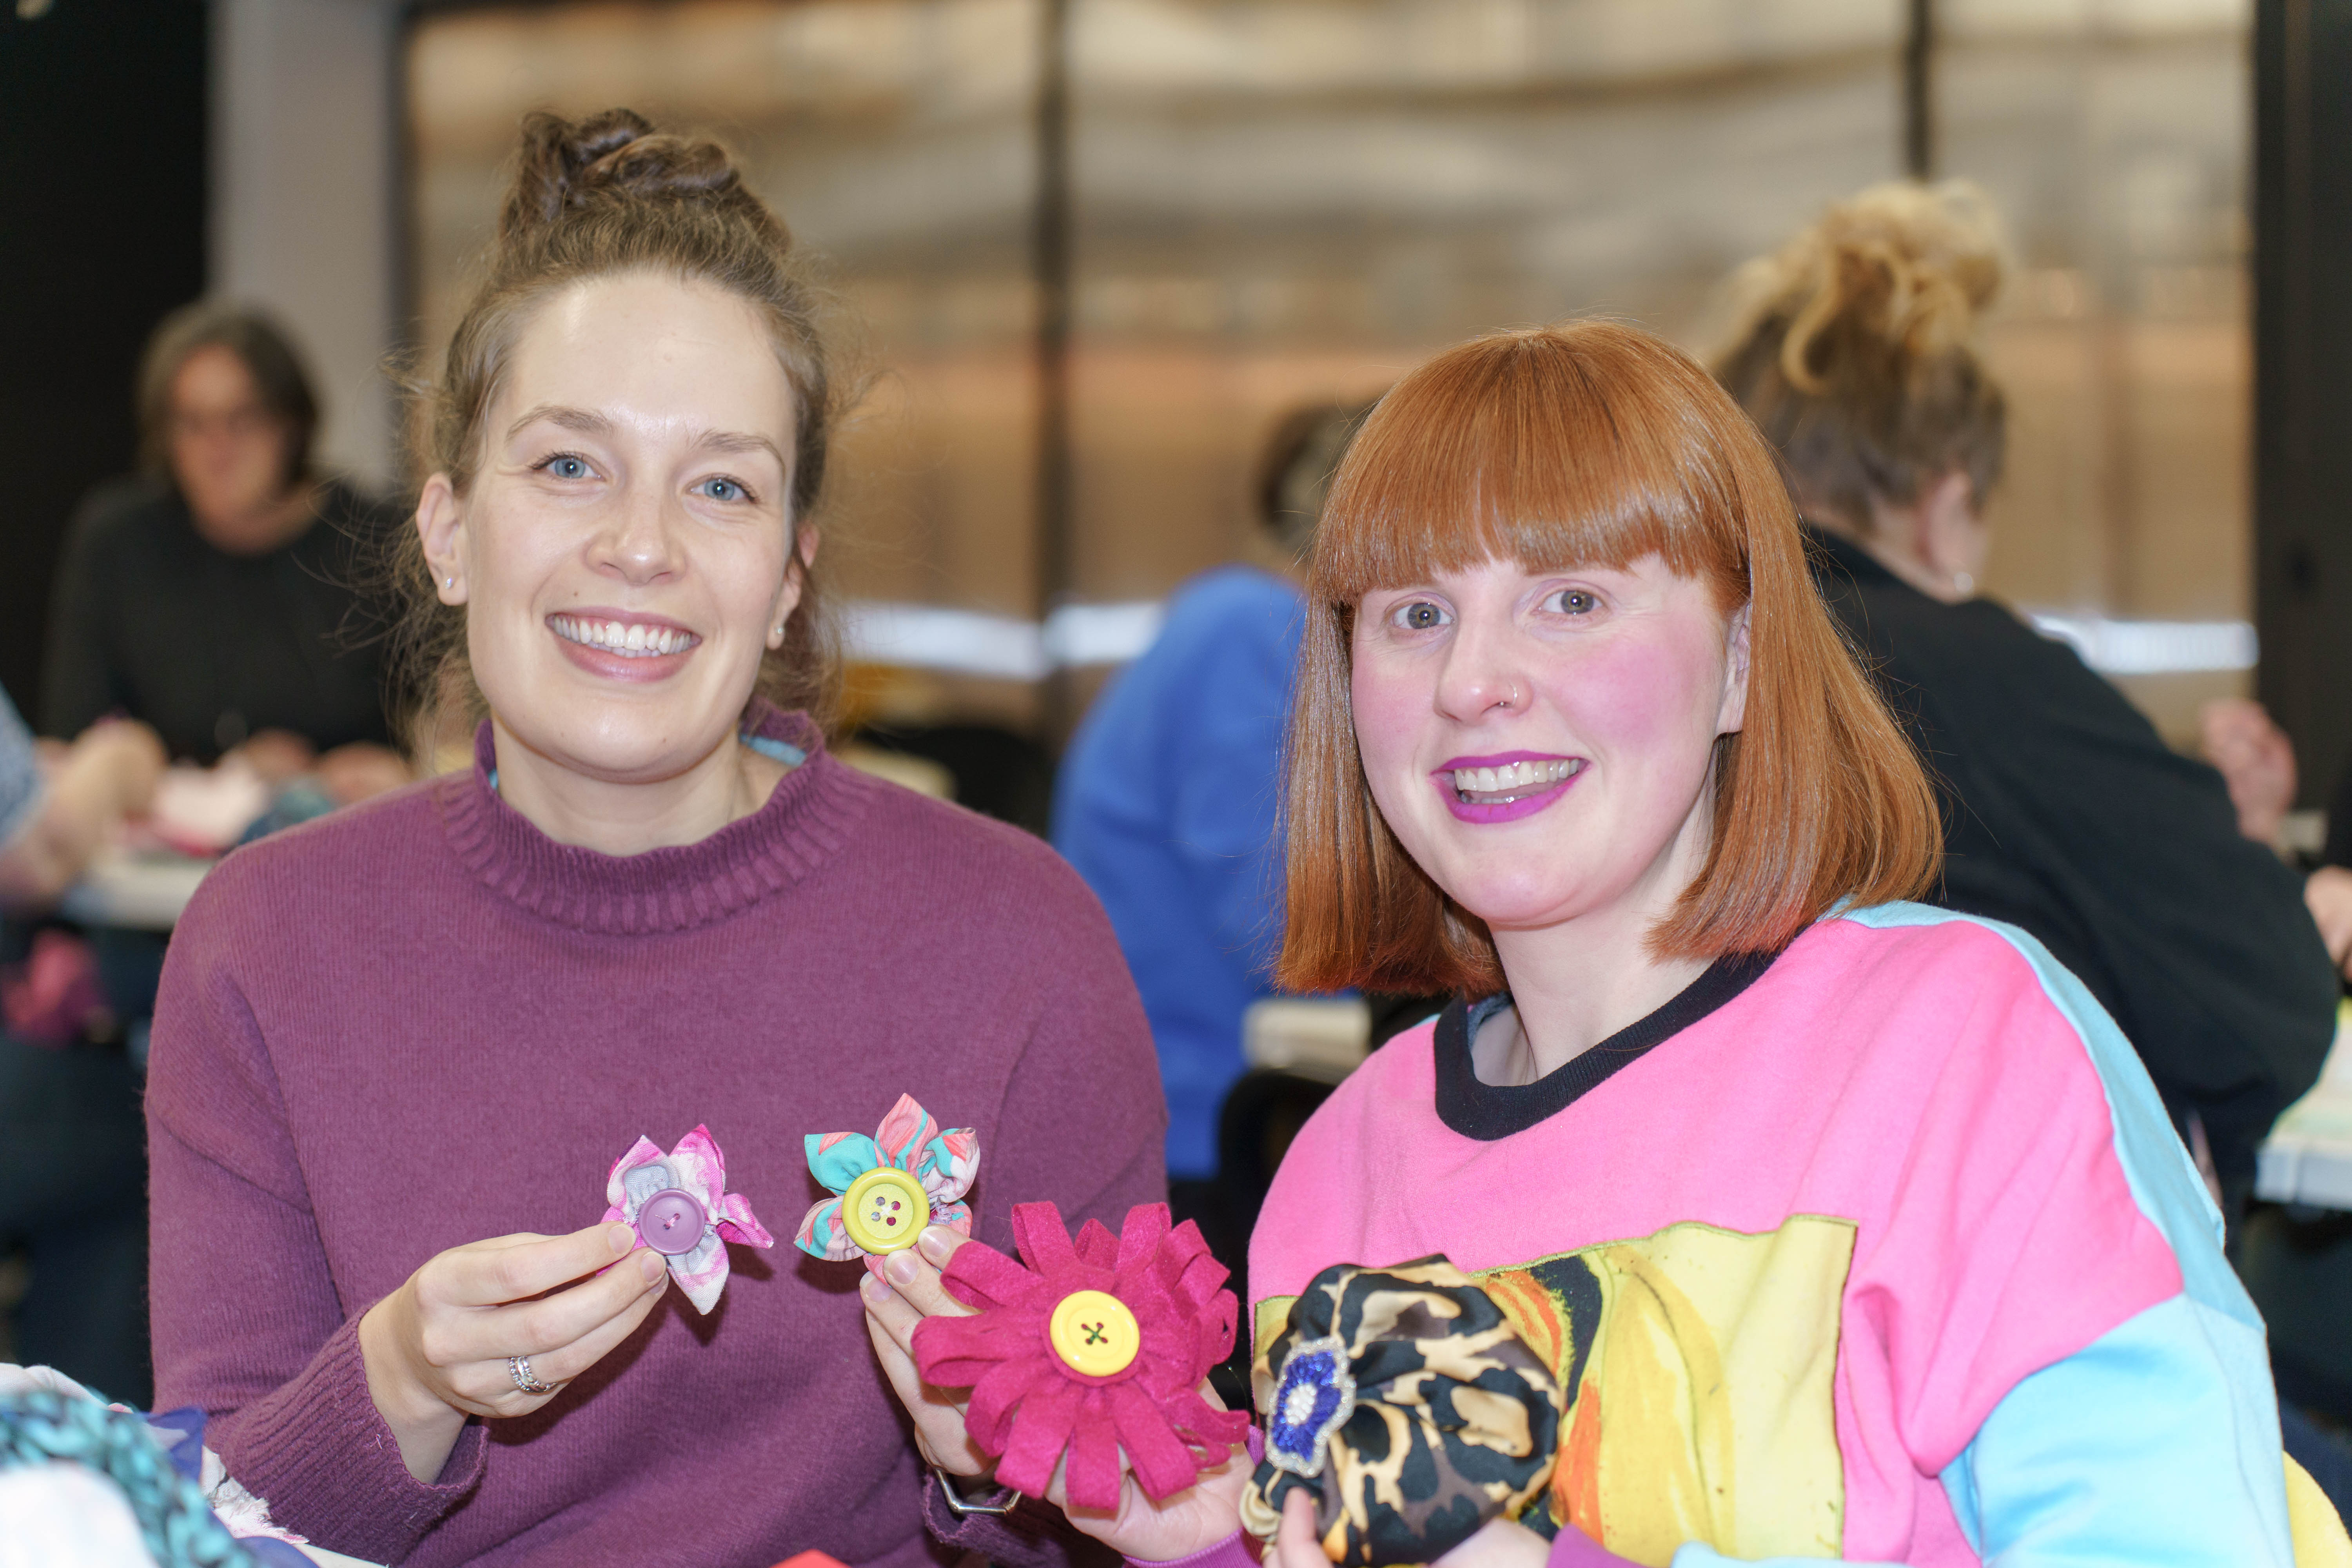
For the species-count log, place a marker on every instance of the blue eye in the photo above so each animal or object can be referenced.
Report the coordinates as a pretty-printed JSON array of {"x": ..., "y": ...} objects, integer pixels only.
[
  {"x": 1576, "y": 601},
  {"x": 564, "y": 465},
  {"x": 1420, "y": 616},
  {"x": 722, "y": 489}
]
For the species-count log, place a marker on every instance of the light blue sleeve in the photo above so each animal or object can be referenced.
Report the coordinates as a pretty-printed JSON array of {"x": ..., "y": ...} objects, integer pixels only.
[
  {"x": 20, "y": 774},
  {"x": 2151, "y": 1446}
]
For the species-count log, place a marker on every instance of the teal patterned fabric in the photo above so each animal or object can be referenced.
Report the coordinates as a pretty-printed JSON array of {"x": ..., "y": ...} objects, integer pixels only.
[{"x": 180, "y": 1530}]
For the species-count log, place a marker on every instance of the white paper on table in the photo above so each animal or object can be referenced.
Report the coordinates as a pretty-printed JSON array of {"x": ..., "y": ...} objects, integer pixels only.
[{"x": 202, "y": 811}]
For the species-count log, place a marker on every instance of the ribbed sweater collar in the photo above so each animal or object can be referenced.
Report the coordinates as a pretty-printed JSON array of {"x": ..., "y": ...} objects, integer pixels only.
[{"x": 804, "y": 823}]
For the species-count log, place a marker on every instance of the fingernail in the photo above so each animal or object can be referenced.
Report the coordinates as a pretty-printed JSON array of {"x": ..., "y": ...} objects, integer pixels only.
[
  {"x": 653, "y": 1265},
  {"x": 934, "y": 1243},
  {"x": 874, "y": 1289},
  {"x": 902, "y": 1268},
  {"x": 620, "y": 1237}
]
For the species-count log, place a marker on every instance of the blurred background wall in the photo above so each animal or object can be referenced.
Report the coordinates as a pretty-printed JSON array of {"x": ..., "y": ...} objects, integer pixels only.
[
  {"x": 1092, "y": 248},
  {"x": 1271, "y": 201},
  {"x": 307, "y": 214}
]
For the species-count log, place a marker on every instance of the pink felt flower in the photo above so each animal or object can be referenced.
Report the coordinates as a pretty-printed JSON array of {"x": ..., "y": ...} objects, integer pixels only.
[
  {"x": 942, "y": 1162},
  {"x": 679, "y": 1205},
  {"x": 1023, "y": 1352}
]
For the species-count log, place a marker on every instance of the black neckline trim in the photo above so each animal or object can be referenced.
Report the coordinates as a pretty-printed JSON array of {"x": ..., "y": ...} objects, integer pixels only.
[{"x": 1487, "y": 1111}]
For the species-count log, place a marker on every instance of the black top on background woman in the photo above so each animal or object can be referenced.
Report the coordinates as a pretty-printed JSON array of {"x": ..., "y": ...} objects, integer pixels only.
[
  {"x": 212, "y": 595},
  {"x": 2064, "y": 812}
]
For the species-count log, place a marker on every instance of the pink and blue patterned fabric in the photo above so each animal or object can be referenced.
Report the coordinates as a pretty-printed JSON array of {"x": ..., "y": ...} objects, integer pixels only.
[{"x": 910, "y": 1139}]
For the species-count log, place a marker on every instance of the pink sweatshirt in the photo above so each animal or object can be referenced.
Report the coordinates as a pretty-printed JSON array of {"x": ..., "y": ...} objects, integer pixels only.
[
  {"x": 1883, "y": 1251},
  {"x": 423, "y": 1023}
]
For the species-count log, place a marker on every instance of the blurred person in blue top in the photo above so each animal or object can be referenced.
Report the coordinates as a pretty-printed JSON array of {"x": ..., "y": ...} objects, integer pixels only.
[
  {"x": 1167, "y": 801},
  {"x": 73, "y": 1166}
]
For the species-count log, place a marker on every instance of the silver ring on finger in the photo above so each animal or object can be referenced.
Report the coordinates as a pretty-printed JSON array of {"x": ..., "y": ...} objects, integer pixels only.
[{"x": 518, "y": 1368}]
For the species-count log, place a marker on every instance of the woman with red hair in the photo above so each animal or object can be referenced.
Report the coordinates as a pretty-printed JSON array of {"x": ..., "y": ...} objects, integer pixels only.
[{"x": 1843, "y": 1227}]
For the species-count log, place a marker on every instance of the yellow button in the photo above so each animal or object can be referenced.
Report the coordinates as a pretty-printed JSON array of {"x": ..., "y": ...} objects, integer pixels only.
[
  {"x": 1094, "y": 1332},
  {"x": 884, "y": 1210}
]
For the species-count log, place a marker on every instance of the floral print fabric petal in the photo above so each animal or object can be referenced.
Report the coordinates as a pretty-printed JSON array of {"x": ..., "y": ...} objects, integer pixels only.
[
  {"x": 1405, "y": 1403},
  {"x": 943, "y": 1160},
  {"x": 698, "y": 1169}
]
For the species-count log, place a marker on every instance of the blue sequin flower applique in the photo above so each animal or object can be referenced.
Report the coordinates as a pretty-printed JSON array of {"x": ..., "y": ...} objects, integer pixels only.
[{"x": 1316, "y": 1397}]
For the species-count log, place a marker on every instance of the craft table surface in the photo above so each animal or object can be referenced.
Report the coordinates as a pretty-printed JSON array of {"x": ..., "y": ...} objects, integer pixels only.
[
  {"x": 142, "y": 890},
  {"x": 2307, "y": 1158}
]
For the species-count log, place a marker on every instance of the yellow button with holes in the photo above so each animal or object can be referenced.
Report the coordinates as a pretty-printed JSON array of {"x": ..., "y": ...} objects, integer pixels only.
[
  {"x": 884, "y": 1210},
  {"x": 1094, "y": 1332}
]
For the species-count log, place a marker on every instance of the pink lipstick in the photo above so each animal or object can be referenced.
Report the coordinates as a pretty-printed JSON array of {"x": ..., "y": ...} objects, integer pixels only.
[{"x": 1505, "y": 786}]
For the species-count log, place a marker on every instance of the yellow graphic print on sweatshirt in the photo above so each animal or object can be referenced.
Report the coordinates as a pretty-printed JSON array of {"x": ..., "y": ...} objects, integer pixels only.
[{"x": 1698, "y": 1364}]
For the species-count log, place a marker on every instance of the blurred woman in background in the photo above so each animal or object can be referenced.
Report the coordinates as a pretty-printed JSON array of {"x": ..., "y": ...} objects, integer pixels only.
[
  {"x": 399, "y": 1048},
  {"x": 2064, "y": 812},
  {"x": 212, "y": 596}
]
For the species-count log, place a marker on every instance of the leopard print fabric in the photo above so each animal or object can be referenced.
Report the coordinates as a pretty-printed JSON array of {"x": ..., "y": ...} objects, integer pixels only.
[{"x": 1410, "y": 1409}]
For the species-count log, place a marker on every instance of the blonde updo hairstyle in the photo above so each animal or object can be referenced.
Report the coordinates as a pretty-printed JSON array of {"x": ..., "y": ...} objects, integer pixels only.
[
  {"x": 594, "y": 198},
  {"x": 1851, "y": 350}
]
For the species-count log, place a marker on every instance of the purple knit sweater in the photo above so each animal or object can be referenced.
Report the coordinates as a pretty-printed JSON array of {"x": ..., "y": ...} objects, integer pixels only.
[{"x": 423, "y": 1023}]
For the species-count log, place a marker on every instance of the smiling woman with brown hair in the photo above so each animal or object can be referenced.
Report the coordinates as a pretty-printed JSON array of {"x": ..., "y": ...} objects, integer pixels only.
[{"x": 398, "y": 1049}]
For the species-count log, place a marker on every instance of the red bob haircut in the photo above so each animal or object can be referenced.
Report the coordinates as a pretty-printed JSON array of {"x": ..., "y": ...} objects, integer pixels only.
[{"x": 1595, "y": 444}]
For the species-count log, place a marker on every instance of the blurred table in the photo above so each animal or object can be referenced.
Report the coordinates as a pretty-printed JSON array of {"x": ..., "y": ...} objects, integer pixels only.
[
  {"x": 2307, "y": 1158},
  {"x": 1321, "y": 1037},
  {"x": 134, "y": 891}
]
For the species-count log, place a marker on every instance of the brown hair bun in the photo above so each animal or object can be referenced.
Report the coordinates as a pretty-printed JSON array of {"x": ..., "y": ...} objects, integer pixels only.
[
  {"x": 1851, "y": 348},
  {"x": 615, "y": 158}
]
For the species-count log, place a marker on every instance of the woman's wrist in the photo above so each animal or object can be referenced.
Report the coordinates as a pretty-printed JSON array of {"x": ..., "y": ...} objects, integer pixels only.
[
  {"x": 1235, "y": 1549},
  {"x": 1207, "y": 1521},
  {"x": 425, "y": 1426}
]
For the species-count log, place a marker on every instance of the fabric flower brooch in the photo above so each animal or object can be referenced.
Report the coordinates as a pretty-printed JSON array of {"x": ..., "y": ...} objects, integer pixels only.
[
  {"x": 679, "y": 1205},
  {"x": 1092, "y": 1346},
  {"x": 907, "y": 1175},
  {"x": 1407, "y": 1404}
]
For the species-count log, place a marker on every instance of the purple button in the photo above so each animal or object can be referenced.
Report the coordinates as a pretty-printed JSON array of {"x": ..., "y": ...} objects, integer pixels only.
[{"x": 671, "y": 1222}]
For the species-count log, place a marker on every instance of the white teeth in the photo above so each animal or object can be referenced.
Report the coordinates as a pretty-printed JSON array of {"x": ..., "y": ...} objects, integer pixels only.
[
  {"x": 1514, "y": 776},
  {"x": 638, "y": 641}
]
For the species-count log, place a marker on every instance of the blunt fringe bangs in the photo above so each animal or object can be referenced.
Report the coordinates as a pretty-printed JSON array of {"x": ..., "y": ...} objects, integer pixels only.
[{"x": 1591, "y": 442}]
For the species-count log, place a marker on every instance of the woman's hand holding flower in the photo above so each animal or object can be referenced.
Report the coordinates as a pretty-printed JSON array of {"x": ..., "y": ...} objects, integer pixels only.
[
  {"x": 436, "y": 1350},
  {"x": 902, "y": 1294},
  {"x": 907, "y": 1291}
]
